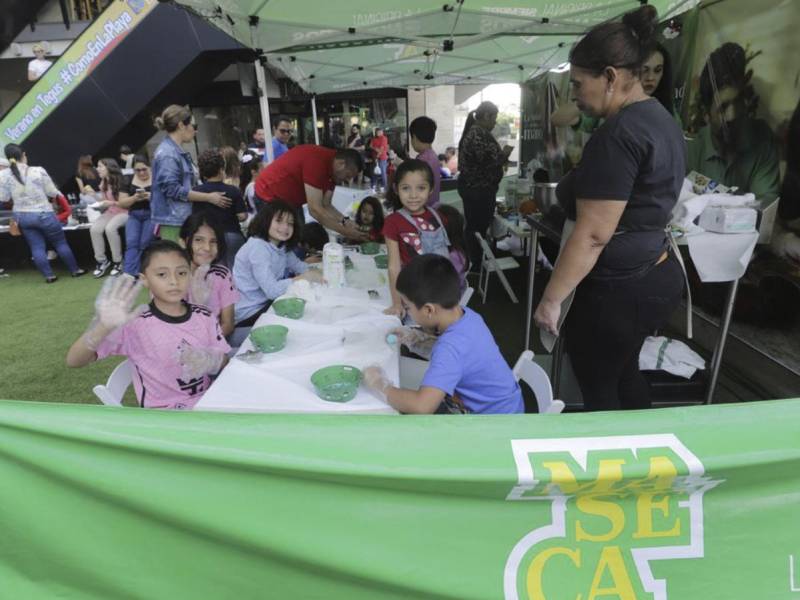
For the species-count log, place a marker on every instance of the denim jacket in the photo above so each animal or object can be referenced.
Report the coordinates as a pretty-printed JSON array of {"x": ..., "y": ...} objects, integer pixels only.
[{"x": 173, "y": 178}]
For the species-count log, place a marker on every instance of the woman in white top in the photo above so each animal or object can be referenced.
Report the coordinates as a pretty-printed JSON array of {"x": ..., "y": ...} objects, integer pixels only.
[{"x": 31, "y": 190}]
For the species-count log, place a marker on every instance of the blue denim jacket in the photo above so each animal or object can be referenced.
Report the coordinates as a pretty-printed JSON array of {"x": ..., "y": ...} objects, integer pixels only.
[{"x": 173, "y": 178}]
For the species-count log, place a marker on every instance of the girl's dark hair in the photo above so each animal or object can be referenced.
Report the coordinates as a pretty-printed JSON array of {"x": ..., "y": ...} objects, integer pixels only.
[
  {"x": 413, "y": 165},
  {"x": 249, "y": 164},
  {"x": 114, "y": 179},
  {"x": 172, "y": 116},
  {"x": 259, "y": 226},
  {"x": 377, "y": 211},
  {"x": 232, "y": 166},
  {"x": 664, "y": 92},
  {"x": 161, "y": 247},
  {"x": 141, "y": 158},
  {"x": 789, "y": 205},
  {"x": 194, "y": 222},
  {"x": 14, "y": 154},
  {"x": 623, "y": 45},
  {"x": 454, "y": 226},
  {"x": 483, "y": 109},
  {"x": 211, "y": 163},
  {"x": 86, "y": 168}
]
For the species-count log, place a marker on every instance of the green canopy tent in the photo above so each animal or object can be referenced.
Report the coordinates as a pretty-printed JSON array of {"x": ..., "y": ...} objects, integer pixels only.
[{"x": 363, "y": 44}]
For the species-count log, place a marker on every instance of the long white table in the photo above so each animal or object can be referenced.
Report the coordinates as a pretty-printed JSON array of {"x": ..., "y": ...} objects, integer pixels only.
[{"x": 344, "y": 326}]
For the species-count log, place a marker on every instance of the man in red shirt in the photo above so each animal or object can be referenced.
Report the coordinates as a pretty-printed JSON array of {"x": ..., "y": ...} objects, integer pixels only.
[
  {"x": 380, "y": 144},
  {"x": 308, "y": 174}
]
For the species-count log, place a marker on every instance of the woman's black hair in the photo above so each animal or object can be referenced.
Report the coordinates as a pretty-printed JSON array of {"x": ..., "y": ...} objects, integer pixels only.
[
  {"x": 259, "y": 226},
  {"x": 14, "y": 154},
  {"x": 664, "y": 92},
  {"x": 484, "y": 108},
  {"x": 194, "y": 222},
  {"x": 377, "y": 211},
  {"x": 625, "y": 44},
  {"x": 413, "y": 165},
  {"x": 141, "y": 158},
  {"x": 454, "y": 226},
  {"x": 114, "y": 178}
]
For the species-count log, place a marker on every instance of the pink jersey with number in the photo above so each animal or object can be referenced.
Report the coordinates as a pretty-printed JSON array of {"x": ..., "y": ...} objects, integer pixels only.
[
  {"x": 223, "y": 292},
  {"x": 151, "y": 343}
]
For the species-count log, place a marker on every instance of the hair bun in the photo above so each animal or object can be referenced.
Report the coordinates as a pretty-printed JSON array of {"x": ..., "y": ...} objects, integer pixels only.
[
  {"x": 642, "y": 22},
  {"x": 159, "y": 122}
]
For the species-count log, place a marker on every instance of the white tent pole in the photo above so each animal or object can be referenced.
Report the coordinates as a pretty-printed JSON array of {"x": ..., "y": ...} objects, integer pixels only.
[
  {"x": 314, "y": 116},
  {"x": 263, "y": 101}
]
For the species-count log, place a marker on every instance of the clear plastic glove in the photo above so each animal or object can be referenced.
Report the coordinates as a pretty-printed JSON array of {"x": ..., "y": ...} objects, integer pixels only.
[
  {"x": 416, "y": 340},
  {"x": 376, "y": 380},
  {"x": 197, "y": 362},
  {"x": 114, "y": 307},
  {"x": 312, "y": 275},
  {"x": 199, "y": 286}
]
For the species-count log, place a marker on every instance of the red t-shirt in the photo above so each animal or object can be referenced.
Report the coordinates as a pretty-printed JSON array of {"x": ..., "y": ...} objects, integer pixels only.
[
  {"x": 381, "y": 146},
  {"x": 285, "y": 179},
  {"x": 397, "y": 228}
]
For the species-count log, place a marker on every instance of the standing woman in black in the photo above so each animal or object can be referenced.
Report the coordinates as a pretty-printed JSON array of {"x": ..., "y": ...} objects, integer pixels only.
[
  {"x": 480, "y": 169},
  {"x": 617, "y": 260}
]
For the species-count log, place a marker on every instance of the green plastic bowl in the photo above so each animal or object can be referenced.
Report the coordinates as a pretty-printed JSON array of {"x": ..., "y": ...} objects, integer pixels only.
[
  {"x": 370, "y": 248},
  {"x": 381, "y": 261},
  {"x": 337, "y": 383},
  {"x": 269, "y": 338},
  {"x": 291, "y": 308}
]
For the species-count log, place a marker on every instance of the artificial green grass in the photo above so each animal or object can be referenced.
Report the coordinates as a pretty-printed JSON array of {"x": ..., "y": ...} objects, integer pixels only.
[{"x": 38, "y": 324}]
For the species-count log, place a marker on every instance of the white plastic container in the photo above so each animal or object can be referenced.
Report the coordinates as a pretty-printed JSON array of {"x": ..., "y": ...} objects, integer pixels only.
[{"x": 333, "y": 265}]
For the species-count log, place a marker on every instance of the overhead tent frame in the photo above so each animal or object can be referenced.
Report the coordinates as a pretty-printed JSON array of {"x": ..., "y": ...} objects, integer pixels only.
[{"x": 429, "y": 44}]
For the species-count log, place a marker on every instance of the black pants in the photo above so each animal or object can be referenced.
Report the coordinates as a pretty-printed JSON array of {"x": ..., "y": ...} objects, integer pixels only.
[
  {"x": 251, "y": 320},
  {"x": 605, "y": 330},
  {"x": 479, "y": 206}
]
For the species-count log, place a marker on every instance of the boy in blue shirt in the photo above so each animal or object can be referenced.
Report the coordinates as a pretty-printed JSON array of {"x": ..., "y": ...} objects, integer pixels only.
[{"x": 466, "y": 370}]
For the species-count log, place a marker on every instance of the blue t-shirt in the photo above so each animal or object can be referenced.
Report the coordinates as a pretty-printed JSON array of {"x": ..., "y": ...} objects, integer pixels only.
[
  {"x": 278, "y": 148},
  {"x": 466, "y": 361}
]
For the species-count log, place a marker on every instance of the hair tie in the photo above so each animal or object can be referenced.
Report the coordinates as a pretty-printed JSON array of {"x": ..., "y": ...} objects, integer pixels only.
[{"x": 12, "y": 161}]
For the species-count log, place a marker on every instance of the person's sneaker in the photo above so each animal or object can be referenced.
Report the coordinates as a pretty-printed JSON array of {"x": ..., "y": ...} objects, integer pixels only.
[
  {"x": 79, "y": 273},
  {"x": 51, "y": 255},
  {"x": 51, "y": 279},
  {"x": 3, "y": 273},
  {"x": 101, "y": 269},
  {"x": 116, "y": 269}
]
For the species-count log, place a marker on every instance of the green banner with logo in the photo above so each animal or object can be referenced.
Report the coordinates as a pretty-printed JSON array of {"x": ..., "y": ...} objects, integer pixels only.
[
  {"x": 682, "y": 504},
  {"x": 72, "y": 67}
]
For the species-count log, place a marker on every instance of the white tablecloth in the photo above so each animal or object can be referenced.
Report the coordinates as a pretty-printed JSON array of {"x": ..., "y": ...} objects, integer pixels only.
[{"x": 344, "y": 326}]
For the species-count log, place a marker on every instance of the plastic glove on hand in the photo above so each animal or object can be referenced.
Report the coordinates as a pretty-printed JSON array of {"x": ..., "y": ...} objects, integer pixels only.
[
  {"x": 312, "y": 275},
  {"x": 114, "y": 305},
  {"x": 199, "y": 286},
  {"x": 197, "y": 362},
  {"x": 376, "y": 380},
  {"x": 416, "y": 340}
]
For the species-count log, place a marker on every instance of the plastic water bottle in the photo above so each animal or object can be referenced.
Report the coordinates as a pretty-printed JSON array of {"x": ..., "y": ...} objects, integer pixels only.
[{"x": 333, "y": 265}]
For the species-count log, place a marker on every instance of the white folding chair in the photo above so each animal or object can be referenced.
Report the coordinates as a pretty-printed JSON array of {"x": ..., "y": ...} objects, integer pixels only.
[
  {"x": 466, "y": 296},
  {"x": 536, "y": 378},
  {"x": 112, "y": 392},
  {"x": 489, "y": 265}
]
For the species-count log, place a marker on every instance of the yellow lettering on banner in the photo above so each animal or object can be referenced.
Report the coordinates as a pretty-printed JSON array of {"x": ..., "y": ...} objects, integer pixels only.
[
  {"x": 601, "y": 508},
  {"x": 609, "y": 472},
  {"x": 664, "y": 472},
  {"x": 645, "y": 505},
  {"x": 611, "y": 559},
  {"x": 536, "y": 570}
]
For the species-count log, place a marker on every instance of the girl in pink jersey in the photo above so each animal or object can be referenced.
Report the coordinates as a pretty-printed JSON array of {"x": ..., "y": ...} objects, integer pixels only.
[
  {"x": 172, "y": 346},
  {"x": 211, "y": 284}
]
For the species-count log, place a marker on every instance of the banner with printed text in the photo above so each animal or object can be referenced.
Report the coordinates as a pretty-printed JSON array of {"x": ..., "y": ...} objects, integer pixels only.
[
  {"x": 72, "y": 67},
  {"x": 692, "y": 503}
]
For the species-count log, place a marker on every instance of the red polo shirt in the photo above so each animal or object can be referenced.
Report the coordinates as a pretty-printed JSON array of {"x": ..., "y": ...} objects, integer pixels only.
[{"x": 285, "y": 178}]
